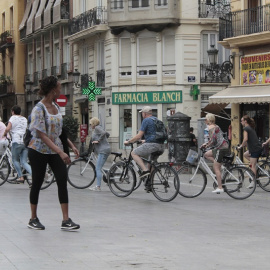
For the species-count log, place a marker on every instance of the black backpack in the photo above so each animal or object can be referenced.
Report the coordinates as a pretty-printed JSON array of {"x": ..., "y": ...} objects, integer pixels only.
[{"x": 161, "y": 132}]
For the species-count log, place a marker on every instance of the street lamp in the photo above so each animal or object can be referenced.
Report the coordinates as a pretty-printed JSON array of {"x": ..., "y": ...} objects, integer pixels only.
[
  {"x": 212, "y": 55},
  {"x": 76, "y": 76}
]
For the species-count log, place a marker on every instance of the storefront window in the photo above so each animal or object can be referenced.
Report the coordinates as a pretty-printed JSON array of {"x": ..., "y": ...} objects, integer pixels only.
[
  {"x": 260, "y": 114},
  {"x": 125, "y": 131}
]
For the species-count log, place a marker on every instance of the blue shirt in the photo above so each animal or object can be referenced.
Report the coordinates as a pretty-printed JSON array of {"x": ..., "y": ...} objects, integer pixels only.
[{"x": 149, "y": 128}]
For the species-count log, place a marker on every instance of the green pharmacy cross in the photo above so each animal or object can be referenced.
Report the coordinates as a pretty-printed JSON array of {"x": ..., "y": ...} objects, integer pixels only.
[
  {"x": 91, "y": 91},
  {"x": 194, "y": 91}
]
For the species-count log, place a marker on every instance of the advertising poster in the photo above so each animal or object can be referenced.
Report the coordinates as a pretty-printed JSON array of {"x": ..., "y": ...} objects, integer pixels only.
[{"x": 255, "y": 69}]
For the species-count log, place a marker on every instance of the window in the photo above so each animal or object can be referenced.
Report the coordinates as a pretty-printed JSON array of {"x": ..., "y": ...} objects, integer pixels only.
[
  {"x": 3, "y": 22},
  {"x": 85, "y": 61},
  {"x": 117, "y": 4},
  {"x": 100, "y": 55},
  {"x": 125, "y": 124},
  {"x": 147, "y": 64},
  {"x": 125, "y": 56},
  {"x": 169, "y": 55},
  {"x": 161, "y": 3},
  {"x": 38, "y": 60},
  {"x": 139, "y": 3},
  {"x": 66, "y": 47},
  {"x": 209, "y": 39},
  {"x": 83, "y": 6},
  {"x": 11, "y": 19}
]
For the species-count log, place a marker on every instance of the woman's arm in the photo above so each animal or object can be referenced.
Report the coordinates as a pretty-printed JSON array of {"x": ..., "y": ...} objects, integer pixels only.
[
  {"x": 8, "y": 128},
  {"x": 44, "y": 137},
  {"x": 72, "y": 146},
  {"x": 244, "y": 143}
]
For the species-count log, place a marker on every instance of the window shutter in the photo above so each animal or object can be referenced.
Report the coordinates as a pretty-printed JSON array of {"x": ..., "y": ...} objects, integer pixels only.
[
  {"x": 204, "y": 49},
  {"x": 169, "y": 50},
  {"x": 125, "y": 52},
  {"x": 147, "y": 51}
]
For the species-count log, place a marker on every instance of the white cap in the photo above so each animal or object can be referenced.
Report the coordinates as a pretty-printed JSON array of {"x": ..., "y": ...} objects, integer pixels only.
[{"x": 146, "y": 109}]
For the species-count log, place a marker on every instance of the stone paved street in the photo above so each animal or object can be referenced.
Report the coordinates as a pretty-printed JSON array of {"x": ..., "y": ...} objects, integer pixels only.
[{"x": 138, "y": 232}]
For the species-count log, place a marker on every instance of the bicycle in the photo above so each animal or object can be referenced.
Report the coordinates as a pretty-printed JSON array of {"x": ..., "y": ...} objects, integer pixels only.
[
  {"x": 262, "y": 171},
  {"x": 235, "y": 178},
  {"x": 82, "y": 171},
  {"x": 9, "y": 174},
  {"x": 162, "y": 181}
]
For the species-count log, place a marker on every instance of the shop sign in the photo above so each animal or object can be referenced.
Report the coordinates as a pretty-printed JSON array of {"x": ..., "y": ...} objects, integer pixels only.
[
  {"x": 255, "y": 69},
  {"x": 147, "y": 97}
]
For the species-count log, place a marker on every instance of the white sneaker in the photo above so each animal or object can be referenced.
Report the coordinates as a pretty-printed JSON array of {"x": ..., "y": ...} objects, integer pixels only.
[
  {"x": 96, "y": 188},
  {"x": 218, "y": 190},
  {"x": 251, "y": 185}
]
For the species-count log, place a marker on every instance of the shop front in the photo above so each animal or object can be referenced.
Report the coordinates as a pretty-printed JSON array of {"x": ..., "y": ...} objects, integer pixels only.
[
  {"x": 163, "y": 103},
  {"x": 251, "y": 97}
]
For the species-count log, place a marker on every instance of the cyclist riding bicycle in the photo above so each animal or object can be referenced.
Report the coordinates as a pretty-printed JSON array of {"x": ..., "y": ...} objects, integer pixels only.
[
  {"x": 149, "y": 146},
  {"x": 220, "y": 149}
]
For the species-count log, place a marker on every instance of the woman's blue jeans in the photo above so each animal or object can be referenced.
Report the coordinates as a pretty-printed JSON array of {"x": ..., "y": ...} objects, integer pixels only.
[
  {"x": 19, "y": 157},
  {"x": 100, "y": 162}
]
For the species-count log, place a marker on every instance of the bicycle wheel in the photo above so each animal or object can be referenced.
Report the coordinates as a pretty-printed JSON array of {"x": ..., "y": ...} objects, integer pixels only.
[
  {"x": 164, "y": 183},
  {"x": 121, "y": 179},
  {"x": 4, "y": 170},
  {"x": 263, "y": 176},
  {"x": 12, "y": 177},
  {"x": 48, "y": 179},
  {"x": 81, "y": 173},
  {"x": 237, "y": 180},
  {"x": 191, "y": 184}
]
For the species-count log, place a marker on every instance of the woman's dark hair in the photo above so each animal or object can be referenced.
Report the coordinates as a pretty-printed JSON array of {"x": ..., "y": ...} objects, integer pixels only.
[
  {"x": 249, "y": 120},
  {"x": 47, "y": 85},
  {"x": 16, "y": 109}
]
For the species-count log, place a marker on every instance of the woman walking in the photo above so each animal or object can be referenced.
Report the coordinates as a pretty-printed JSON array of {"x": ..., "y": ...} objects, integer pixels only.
[
  {"x": 102, "y": 148},
  {"x": 252, "y": 141},
  {"x": 45, "y": 148}
]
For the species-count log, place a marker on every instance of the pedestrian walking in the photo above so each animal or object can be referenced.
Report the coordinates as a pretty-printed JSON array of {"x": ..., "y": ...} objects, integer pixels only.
[
  {"x": 101, "y": 147},
  {"x": 16, "y": 126},
  {"x": 45, "y": 148}
]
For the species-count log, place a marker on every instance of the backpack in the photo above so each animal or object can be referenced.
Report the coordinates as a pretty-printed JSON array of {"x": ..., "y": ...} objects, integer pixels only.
[{"x": 161, "y": 132}]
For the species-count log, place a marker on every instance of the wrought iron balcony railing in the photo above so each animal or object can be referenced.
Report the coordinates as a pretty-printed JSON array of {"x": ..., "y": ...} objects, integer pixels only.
[
  {"x": 64, "y": 71},
  {"x": 3, "y": 89},
  {"x": 101, "y": 78},
  {"x": 54, "y": 70},
  {"x": 90, "y": 18},
  {"x": 245, "y": 22},
  {"x": 213, "y": 8},
  {"x": 216, "y": 73},
  {"x": 36, "y": 78}
]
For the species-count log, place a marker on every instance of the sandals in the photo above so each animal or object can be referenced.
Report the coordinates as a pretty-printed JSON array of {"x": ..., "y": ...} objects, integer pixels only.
[{"x": 20, "y": 181}]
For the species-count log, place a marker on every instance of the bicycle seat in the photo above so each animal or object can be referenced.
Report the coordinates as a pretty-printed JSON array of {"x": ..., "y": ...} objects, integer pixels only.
[
  {"x": 229, "y": 158},
  {"x": 117, "y": 154}
]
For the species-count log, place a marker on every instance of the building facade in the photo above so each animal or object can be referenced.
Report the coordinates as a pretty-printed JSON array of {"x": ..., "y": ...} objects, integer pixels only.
[
  {"x": 44, "y": 31},
  {"x": 12, "y": 58},
  {"x": 245, "y": 31},
  {"x": 142, "y": 52}
]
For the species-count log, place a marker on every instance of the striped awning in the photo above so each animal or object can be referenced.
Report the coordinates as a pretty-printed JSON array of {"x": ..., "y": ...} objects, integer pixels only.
[{"x": 242, "y": 94}]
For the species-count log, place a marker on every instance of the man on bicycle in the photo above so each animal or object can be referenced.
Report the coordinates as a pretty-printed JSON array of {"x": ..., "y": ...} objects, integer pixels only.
[{"x": 148, "y": 130}]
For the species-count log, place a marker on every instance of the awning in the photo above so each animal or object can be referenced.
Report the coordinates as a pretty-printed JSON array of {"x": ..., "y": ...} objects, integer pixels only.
[
  {"x": 81, "y": 99},
  {"x": 242, "y": 94},
  {"x": 26, "y": 14},
  {"x": 214, "y": 108}
]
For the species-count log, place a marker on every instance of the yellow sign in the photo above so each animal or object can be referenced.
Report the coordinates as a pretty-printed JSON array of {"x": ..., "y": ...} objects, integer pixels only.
[{"x": 255, "y": 69}]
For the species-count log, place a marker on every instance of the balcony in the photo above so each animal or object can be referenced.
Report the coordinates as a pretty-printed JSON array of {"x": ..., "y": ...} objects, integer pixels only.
[
  {"x": 136, "y": 15},
  {"x": 213, "y": 8},
  {"x": 36, "y": 78},
  {"x": 216, "y": 73},
  {"x": 64, "y": 71},
  {"x": 246, "y": 22},
  {"x": 54, "y": 70},
  {"x": 101, "y": 78},
  {"x": 93, "y": 17},
  {"x": 6, "y": 40}
]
